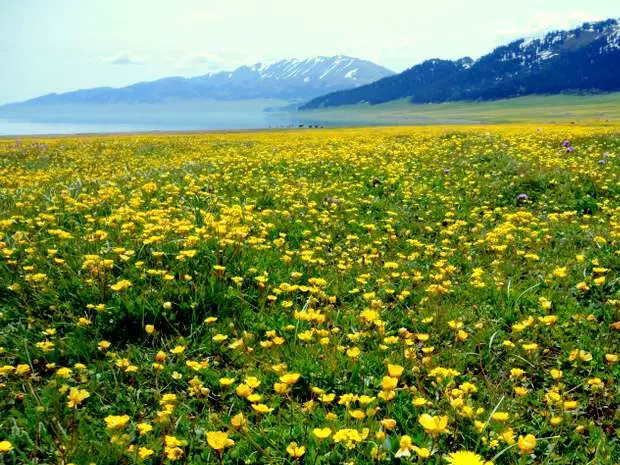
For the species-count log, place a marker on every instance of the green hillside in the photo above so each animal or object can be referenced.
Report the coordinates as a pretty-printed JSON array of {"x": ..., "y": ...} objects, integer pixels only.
[{"x": 543, "y": 109}]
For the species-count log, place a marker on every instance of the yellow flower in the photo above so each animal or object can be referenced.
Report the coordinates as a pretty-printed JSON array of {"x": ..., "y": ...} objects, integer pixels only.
[
  {"x": 388, "y": 423},
  {"x": 281, "y": 388},
  {"x": 144, "y": 452},
  {"x": 226, "y": 381},
  {"x": 144, "y": 428},
  {"x": 520, "y": 391},
  {"x": 322, "y": 433},
  {"x": 296, "y": 451},
  {"x": 5, "y": 446},
  {"x": 116, "y": 421},
  {"x": 395, "y": 371},
  {"x": 64, "y": 372},
  {"x": 353, "y": 352},
  {"x": 262, "y": 408},
  {"x": 150, "y": 329},
  {"x": 422, "y": 452},
  {"x": 560, "y": 272},
  {"x": 290, "y": 378},
  {"x": 508, "y": 436},
  {"x": 556, "y": 374},
  {"x": 173, "y": 453},
  {"x": 570, "y": 404},
  {"x": 22, "y": 369},
  {"x": 121, "y": 285},
  {"x": 243, "y": 390},
  {"x": 76, "y": 397},
  {"x": 464, "y": 457},
  {"x": 219, "y": 338},
  {"x": 238, "y": 421},
  {"x": 433, "y": 425},
  {"x": 405, "y": 447},
  {"x": 252, "y": 381},
  {"x": 357, "y": 414},
  {"x": 350, "y": 436},
  {"x": 388, "y": 383},
  {"x": 177, "y": 350},
  {"x": 219, "y": 440},
  {"x": 500, "y": 416},
  {"x": 369, "y": 316},
  {"x": 527, "y": 443}
]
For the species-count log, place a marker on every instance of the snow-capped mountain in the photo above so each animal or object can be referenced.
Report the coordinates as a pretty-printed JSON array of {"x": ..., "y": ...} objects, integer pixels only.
[
  {"x": 291, "y": 79},
  {"x": 582, "y": 59}
]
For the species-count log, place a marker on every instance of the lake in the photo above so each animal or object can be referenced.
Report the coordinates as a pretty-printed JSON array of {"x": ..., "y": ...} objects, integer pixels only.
[{"x": 177, "y": 116}]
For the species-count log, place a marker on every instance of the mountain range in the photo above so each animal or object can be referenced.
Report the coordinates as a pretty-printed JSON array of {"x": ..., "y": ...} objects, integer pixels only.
[
  {"x": 584, "y": 59},
  {"x": 291, "y": 79}
]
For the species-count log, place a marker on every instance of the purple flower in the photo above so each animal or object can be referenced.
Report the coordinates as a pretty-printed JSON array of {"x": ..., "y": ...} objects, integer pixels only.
[
  {"x": 522, "y": 197},
  {"x": 570, "y": 149},
  {"x": 566, "y": 143}
]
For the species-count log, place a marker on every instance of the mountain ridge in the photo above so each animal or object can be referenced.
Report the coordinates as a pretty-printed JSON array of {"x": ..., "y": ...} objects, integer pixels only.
[
  {"x": 580, "y": 59},
  {"x": 294, "y": 79}
]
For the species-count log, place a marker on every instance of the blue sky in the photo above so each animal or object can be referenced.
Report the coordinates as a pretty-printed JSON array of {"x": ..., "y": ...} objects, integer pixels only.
[{"x": 60, "y": 45}]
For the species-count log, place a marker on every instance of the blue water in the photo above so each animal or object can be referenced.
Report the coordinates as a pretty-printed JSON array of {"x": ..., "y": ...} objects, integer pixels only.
[
  {"x": 20, "y": 128},
  {"x": 114, "y": 118}
]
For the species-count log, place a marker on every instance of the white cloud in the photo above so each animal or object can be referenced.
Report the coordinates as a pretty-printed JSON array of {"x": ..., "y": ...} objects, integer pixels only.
[
  {"x": 545, "y": 21},
  {"x": 123, "y": 58}
]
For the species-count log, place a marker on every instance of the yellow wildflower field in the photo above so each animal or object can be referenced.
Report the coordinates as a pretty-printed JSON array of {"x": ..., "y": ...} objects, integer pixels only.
[{"x": 418, "y": 295}]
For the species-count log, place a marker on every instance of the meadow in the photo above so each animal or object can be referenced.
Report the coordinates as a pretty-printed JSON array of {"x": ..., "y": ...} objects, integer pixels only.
[
  {"x": 435, "y": 295},
  {"x": 597, "y": 109}
]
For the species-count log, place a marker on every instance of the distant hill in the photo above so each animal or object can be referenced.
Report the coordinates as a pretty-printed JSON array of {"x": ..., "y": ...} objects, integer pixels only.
[
  {"x": 585, "y": 59},
  {"x": 287, "y": 79}
]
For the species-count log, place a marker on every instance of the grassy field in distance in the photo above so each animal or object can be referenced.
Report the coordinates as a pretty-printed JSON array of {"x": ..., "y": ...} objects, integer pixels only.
[{"x": 544, "y": 109}]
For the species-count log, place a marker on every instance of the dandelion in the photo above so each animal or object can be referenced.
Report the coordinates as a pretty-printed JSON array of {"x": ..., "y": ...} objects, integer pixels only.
[{"x": 464, "y": 457}]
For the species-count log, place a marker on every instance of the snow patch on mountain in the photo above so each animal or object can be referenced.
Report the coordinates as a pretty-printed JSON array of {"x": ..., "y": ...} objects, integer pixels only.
[{"x": 291, "y": 79}]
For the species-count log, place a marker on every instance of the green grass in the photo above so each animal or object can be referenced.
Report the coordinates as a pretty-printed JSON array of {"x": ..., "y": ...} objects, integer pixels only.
[
  {"x": 541, "y": 109},
  {"x": 185, "y": 283}
]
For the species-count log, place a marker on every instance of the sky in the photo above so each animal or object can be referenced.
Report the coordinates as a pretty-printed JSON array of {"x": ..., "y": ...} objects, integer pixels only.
[{"x": 62, "y": 45}]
